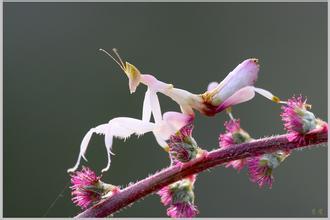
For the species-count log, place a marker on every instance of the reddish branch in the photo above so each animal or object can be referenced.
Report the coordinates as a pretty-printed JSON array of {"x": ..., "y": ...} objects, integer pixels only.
[{"x": 211, "y": 159}]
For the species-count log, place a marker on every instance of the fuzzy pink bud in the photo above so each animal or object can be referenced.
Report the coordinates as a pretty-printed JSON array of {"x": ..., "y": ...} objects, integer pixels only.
[
  {"x": 87, "y": 188},
  {"x": 234, "y": 135}
]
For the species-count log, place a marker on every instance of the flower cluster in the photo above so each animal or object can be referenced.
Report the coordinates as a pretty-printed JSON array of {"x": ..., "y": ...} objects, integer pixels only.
[
  {"x": 298, "y": 121},
  {"x": 261, "y": 167},
  {"x": 179, "y": 196}
]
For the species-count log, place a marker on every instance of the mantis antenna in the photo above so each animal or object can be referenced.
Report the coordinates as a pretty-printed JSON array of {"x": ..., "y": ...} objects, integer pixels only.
[
  {"x": 120, "y": 62},
  {"x": 115, "y": 50}
]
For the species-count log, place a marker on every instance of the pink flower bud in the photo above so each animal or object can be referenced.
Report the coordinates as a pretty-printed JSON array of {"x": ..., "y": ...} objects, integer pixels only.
[
  {"x": 234, "y": 135},
  {"x": 87, "y": 188},
  {"x": 182, "y": 146},
  {"x": 261, "y": 167},
  {"x": 298, "y": 121},
  {"x": 182, "y": 210},
  {"x": 180, "y": 197}
]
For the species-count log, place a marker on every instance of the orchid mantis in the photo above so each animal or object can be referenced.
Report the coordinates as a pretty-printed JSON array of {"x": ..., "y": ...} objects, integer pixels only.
[{"x": 236, "y": 88}]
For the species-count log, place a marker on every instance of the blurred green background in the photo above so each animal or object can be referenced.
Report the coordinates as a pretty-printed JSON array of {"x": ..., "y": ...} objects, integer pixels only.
[{"x": 57, "y": 86}]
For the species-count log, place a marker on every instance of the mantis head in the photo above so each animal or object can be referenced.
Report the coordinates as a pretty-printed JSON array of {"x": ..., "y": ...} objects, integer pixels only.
[{"x": 133, "y": 74}]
